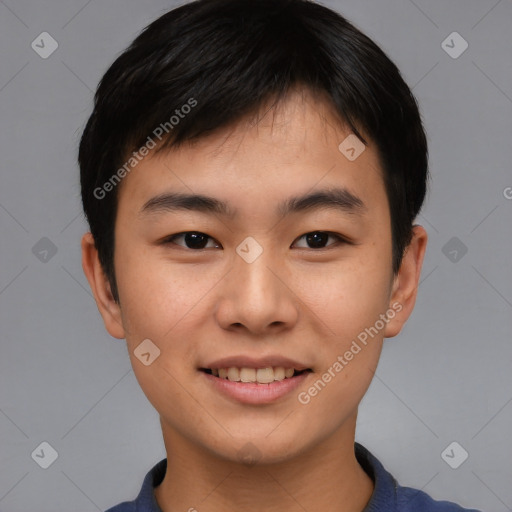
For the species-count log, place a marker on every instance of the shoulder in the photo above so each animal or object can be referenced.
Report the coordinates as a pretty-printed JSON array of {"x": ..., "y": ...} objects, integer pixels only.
[
  {"x": 125, "y": 506},
  {"x": 414, "y": 500},
  {"x": 145, "y": 501},
  {"x": 389, "y": 496}
]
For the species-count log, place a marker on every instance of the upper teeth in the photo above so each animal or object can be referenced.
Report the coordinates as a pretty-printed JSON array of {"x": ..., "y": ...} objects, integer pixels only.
[{"x": 260, "y": 375}]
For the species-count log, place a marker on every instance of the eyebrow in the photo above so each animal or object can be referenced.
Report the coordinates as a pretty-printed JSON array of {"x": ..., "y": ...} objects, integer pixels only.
[{"x": 340, "y": 199}]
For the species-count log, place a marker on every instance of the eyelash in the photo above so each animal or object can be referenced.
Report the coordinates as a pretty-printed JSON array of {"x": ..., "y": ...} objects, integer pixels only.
[{"x": 340, "y": 240}]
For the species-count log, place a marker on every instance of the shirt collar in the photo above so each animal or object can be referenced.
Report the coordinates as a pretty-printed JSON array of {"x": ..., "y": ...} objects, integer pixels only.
[{"x": 384, "y": 496}]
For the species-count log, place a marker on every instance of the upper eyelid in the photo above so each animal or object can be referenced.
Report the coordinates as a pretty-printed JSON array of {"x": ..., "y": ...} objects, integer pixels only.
[
  {"x": 340, "y": 238},
  {"x": 169, "y": 238}
]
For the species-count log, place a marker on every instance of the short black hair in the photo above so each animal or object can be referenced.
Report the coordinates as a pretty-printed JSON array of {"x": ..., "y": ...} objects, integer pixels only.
[{"x": 224, "y": 59}]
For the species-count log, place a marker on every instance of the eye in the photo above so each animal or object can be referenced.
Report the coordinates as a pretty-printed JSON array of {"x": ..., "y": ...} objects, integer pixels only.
[
  {"x": 192, "y": 240},
  {"x": 318, "y": 239},
  {"x": 196, "y": 240}
]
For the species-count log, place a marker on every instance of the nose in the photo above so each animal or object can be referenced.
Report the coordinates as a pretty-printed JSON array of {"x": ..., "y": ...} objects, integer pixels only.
[{"x": 257, "y": 297}]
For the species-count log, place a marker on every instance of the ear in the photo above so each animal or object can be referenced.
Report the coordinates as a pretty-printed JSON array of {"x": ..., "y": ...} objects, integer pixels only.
[
  {"x": 405, "y": 283},
  {"x": 100, "y": 287}
]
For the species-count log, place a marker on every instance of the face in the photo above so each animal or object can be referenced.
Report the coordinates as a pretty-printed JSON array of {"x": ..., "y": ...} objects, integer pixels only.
[{"x": 288, "y": 265}]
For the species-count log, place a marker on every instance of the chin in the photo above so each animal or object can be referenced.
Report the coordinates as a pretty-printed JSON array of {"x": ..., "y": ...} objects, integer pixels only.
[{"x": 257, "y": 451}]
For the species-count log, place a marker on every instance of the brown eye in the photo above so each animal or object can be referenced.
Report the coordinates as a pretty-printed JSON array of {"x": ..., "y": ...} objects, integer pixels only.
[
  {"x": 192, "y": 240},
  {"x": 318, "y": 239}
]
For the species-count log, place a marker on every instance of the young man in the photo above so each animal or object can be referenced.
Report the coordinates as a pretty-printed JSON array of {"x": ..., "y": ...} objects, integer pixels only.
[{"x": 251, "y": 174}]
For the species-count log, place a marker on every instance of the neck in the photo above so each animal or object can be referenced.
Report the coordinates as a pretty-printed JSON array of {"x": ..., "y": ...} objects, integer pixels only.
[{"x": 324, "y": 477}]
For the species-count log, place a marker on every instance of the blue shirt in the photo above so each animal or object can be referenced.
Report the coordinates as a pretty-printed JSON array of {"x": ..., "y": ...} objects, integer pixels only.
[{"x": 387, "y": 495}]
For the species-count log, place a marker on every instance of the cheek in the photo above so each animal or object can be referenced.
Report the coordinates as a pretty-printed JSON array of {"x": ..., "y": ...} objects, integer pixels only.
[
  {"x": 158, "y": 302},
  {"x": 349, "y": 296},
  {"x": 350, "y": 300},
  {"x": 350, "y": 345},
  {"x": 154, "y": 294},
  {"x": 334, "y": 396}
]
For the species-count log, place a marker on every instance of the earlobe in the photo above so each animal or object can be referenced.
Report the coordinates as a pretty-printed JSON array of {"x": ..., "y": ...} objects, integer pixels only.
[
  {"x": 405, "y": 284},
  {"x": 100, "y": 287}
]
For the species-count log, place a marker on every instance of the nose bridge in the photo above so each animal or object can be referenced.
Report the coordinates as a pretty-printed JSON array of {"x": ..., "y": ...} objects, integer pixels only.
[
  {"x": 252, "y": 272},
  {"x": 255, "y": 296}
]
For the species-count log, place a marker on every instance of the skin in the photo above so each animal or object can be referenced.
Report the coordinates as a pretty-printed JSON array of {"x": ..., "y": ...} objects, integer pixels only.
[{"x": 295, "y": 300}]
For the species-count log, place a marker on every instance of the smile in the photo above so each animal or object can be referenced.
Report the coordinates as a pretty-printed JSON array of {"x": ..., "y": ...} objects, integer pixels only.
[
  {"x": 254, "y": 386},
  {"x": 259, "y": 375}
]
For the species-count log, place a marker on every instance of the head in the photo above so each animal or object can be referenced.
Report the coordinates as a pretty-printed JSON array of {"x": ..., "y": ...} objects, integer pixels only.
[{"x": 247, "y": 105}]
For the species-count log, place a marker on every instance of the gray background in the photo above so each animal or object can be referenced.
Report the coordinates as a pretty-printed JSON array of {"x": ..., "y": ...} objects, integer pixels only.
[{"x": 65, "y": 381}]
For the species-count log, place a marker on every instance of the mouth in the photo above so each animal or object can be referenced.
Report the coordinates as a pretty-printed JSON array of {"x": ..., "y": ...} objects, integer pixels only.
[
  {"x": 254, "y": 385},
  {"x": 262, "y": 376}
]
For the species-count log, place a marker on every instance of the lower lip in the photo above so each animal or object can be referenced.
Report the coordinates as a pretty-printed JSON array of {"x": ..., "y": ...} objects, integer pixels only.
[{"x": 253, "y": 393}]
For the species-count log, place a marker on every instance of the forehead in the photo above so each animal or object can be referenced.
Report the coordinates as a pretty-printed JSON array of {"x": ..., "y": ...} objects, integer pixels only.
[{"x": 282, "y": 150}]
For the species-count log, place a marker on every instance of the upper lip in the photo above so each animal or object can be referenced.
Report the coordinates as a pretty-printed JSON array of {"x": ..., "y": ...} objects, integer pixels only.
[{"x": 255, "y": 362}]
